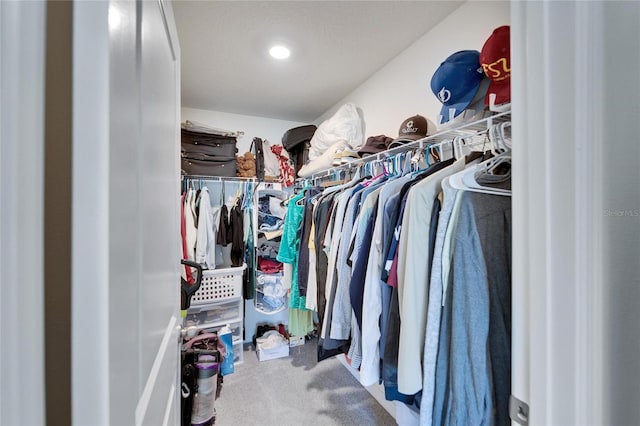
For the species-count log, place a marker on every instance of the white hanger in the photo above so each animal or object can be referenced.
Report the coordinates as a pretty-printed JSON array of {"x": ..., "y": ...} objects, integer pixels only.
[
  {"x": 486, "y": 167},
  {"x": 498, "y": 108},
  {"x": 465, "y": 179}
]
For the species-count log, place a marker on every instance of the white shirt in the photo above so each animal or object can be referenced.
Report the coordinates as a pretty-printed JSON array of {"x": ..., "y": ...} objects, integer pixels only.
[
  {"x": 434, "y": 312},
  {"x": 190, "y": 225},
  {"x": 413, "y": 277},
  {"x": 372, "y": 296},
  {"x": 206, "y": 236}
]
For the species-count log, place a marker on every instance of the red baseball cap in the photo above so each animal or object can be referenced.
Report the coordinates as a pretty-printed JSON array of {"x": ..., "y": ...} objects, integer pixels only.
[{"x": 495, "y": 59}]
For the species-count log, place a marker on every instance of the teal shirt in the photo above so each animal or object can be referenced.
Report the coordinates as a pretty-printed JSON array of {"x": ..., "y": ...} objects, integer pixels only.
[{"x": 289, "y": 245}]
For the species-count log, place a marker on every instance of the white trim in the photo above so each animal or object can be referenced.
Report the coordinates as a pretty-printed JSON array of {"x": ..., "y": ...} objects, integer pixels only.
[
  {"x": 90, "y": 215},
  {"x": 519, "y": 202},
  {"x": 143, "y": 402},
  {"x": 588, "y": 134},
  {"x": 170, "y": 404},
  {"x": 22, "y": 76},
  {"x": 568, "y": 138}
]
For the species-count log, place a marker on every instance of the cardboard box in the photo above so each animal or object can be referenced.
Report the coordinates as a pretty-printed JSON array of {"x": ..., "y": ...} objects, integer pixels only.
[{"x": 265, "y": 354}]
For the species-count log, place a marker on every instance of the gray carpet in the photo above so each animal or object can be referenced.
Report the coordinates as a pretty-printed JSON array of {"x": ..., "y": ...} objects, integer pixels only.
[{"x": 296, "y": 391}]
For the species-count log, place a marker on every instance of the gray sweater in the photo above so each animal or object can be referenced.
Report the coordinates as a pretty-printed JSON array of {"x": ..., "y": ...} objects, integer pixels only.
[{"x": 473, "y": 369}]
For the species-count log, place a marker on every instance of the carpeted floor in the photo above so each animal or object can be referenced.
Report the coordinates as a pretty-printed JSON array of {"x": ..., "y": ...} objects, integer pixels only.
[{"x": 295, "y": 391}]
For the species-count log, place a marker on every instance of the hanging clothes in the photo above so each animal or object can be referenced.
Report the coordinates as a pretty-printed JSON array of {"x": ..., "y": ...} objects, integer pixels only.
[
  {"x": 303, "y": 247},
  {"x": 434, "y": 310},
  {"x": 224, "y": 237},
  {"x": 475, "y": 331},
  {"x": 190, "y": 224},
  {"x": 402, "y": 273},
  {"x": 236, "y": 226},
  {"x": 374, "y": 318},
  {"x": 186, "y": 273},
  {"x": 415, "y": 272},
  {"x": 206, "y": 236},
  {"x": 301, "y": 322},
  {"x": 249, "y": 281}
]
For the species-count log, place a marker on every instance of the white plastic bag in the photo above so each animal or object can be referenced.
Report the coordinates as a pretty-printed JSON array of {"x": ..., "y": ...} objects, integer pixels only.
[
  {"x": 344, "y": 125},
  {"x": 271, "y": 160}
]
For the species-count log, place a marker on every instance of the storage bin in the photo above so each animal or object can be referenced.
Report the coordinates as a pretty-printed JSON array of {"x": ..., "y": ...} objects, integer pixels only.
[
  {"x": 219, "y": 284},
  {"x": 265, "y": 354},
  {"x": 225, "y": 312},
  {"x": 236, "y": 329}
]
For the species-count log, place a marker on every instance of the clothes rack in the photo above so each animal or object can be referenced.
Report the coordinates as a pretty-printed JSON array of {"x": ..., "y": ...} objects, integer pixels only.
[{"x": 395, "y": 241}]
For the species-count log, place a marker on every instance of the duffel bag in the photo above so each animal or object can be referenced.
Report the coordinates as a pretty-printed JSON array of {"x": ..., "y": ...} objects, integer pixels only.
[{"x": 257, "y": 148}]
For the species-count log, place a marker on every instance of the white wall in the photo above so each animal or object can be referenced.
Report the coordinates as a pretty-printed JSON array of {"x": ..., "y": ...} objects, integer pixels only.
[
  {"x": 402, "y": 88},
  {"x": 261, "y": 127}
]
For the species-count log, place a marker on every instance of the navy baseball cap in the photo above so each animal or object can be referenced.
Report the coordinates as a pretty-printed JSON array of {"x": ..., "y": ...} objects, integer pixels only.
[{"x": 456, "y": 82}]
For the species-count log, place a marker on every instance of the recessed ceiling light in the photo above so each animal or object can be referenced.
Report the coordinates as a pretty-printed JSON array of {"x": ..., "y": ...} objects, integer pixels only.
[{"x": 279, "y": 52}]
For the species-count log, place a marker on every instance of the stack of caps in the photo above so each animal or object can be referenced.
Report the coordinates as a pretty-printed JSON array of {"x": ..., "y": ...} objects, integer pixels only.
[{"x": 468, "y": 80}]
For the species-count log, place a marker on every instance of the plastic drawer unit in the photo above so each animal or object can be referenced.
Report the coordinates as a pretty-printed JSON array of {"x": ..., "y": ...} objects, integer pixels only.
[{"x": 216, "y": 313}]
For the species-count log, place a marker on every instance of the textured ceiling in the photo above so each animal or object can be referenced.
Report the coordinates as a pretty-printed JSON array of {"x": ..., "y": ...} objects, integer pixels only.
[{"x": 336, "y": 45}]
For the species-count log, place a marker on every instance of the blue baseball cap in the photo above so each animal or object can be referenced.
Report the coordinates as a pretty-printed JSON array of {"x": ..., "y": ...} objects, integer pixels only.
[{"x": 456, "y": 82}]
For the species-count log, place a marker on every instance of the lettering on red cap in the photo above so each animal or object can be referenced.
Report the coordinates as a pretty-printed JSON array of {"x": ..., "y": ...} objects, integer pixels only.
[{"x": 498, "y": 70}]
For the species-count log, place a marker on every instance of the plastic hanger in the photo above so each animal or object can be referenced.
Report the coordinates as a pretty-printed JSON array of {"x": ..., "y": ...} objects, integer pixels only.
[
  {"x": 504, "y": 141},
  {"x": 498, "y": 108},
  {"x": 486, "y": 167}
]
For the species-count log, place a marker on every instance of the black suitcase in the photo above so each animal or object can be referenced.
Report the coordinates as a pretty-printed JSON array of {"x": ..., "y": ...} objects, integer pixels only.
[
  {"x": 292, "y": 138},
  {"x": 197, "y": 165},
  {"x": 223, "y": 146},
  {"x": 206, "y": 154}
]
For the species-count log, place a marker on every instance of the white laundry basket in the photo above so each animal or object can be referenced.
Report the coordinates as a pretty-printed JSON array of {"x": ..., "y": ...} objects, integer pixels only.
[{"x": 219, "y": 284}]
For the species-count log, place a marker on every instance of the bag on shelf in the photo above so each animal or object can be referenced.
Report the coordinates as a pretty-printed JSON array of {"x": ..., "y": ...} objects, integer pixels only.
[
  {"x": 297, "y": 142},
  {"x": 256, "y": 147}
]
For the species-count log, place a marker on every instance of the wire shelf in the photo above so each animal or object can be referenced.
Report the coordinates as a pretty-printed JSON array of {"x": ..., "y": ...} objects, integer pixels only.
[{"x": 472, "y": 129}]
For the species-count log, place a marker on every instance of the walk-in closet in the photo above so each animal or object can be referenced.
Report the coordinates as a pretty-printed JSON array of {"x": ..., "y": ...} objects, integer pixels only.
[
  {"x": 319, "y": 212},
  {"x": 316, "y": 280}
]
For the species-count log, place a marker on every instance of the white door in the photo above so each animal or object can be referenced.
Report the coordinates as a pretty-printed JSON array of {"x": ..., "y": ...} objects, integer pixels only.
[
  {"x": 576, "y": 204},
  {"x": 126, "y": 214}
]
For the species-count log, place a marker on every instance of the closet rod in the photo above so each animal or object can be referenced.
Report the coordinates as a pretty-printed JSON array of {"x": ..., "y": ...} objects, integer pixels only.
[
  {"x": 464, "y": 130},
  {"x": 219, "y": 178}
]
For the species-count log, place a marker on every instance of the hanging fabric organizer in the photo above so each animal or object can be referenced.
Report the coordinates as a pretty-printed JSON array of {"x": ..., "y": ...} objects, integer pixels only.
[{"x": 271, "y": 290}]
